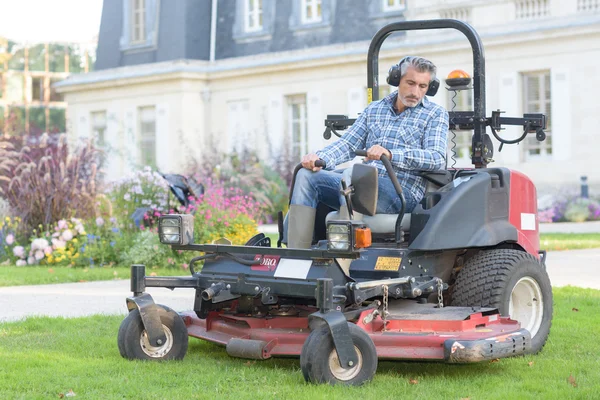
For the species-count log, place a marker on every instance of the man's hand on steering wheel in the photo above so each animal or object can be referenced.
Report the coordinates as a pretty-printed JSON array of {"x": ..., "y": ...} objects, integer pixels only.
[
  {"x": 376, "y": 151},
  {"x": 308, "y": 162}
]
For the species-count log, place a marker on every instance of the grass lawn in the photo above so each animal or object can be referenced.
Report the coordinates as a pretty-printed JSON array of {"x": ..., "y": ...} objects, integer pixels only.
[
  {"x": 48, "y": 357},
  {"x": 40, "y": 275},
  {"x": 569, "y": 241}
]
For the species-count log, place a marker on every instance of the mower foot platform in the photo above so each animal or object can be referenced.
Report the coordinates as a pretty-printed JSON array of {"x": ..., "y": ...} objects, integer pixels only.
[{"x": 452, "y": 334}]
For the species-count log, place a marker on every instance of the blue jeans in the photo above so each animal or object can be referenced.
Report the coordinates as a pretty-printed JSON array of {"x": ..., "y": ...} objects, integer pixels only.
[{"x": 312, "y": 188}]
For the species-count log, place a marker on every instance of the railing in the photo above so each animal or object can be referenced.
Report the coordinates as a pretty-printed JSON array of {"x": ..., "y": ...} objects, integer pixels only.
[
  {"x": 462, "y": 14},
  {"x": 531, "y": 9},
  {"x": 588, "y": 5}
]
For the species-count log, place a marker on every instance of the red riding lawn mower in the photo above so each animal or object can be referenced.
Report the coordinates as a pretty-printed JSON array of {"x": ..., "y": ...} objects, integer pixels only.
[{"x": 460, "y": 279}]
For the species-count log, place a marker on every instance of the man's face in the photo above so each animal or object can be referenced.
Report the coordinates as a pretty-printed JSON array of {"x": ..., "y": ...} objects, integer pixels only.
[{"x": 413, "y": 87}]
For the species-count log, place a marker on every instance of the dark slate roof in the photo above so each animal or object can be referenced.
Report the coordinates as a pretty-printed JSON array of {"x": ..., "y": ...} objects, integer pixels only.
[{"x": 183, "y": 30}]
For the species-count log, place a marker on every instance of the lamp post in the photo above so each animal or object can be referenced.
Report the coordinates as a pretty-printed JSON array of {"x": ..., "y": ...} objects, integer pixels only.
[{"x": 584, "y": 187}]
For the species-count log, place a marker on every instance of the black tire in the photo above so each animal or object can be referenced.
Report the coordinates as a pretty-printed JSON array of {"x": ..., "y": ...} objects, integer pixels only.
[
  {"x": 133, "y": 342},
  {"x": 318, "y": 357},
  {"x": 489, "y": 279}
]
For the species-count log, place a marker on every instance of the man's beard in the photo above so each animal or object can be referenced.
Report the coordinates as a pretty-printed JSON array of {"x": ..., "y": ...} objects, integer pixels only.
[{"x": 409, "y": 101}]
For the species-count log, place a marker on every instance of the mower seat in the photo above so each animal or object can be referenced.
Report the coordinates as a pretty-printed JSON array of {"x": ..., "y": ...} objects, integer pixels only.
[
  {"x": 386, "y": 223},
  {"x": 379, "y": 223}
]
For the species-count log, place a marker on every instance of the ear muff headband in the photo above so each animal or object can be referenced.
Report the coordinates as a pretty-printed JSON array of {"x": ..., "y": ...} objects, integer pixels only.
[{"x": 393, "y": 78}]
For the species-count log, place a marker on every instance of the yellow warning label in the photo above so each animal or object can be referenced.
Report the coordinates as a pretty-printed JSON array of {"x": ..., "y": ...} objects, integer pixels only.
[
  {"x": 388, "y": 263},
  {"x": 369, "y": 95}
]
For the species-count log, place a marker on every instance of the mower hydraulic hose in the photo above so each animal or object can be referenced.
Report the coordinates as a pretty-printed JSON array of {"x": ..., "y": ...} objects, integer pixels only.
[{"x": 199, "y": 258}]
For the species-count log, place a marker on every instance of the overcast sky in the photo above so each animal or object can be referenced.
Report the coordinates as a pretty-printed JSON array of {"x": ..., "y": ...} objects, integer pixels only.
[{"x": 34, "y": 21}]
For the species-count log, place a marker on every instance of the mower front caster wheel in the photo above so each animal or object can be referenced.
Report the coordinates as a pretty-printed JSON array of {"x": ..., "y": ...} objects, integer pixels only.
[
  {"x": 133, "y": 340},
  {"x": 320, "y": 364}
]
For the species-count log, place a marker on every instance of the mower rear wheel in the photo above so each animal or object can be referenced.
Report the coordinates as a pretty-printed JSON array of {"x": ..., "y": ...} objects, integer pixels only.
[
  {"x": 133, "y": 340},
  {"x": 320, "y": 364},
  {"x": 514, "y": 282}
]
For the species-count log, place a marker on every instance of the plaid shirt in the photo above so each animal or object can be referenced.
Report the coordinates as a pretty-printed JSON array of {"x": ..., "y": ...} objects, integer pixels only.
[{"x": 416, "y": 138}]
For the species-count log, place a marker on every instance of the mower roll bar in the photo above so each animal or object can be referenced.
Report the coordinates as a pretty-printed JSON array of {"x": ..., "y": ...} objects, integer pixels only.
[
  {"x": 479, "y": 118},
  {"x": 475, "y": 120}
]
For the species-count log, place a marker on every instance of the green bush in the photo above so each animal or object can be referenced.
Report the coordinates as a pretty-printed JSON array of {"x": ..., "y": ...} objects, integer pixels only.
[
  {"x": 147, "y": 249},
  {"x": 580, "y": 210},
  {"x": 104, "y": 243},
  {"x": 142, "y": 189}
]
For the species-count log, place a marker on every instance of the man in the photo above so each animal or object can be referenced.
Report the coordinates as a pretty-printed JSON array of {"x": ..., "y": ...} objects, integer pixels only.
[{"x": 405, "y": 126}]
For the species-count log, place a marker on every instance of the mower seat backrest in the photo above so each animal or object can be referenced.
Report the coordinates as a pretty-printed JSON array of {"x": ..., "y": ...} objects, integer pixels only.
[{"x": 386, "y": 223}]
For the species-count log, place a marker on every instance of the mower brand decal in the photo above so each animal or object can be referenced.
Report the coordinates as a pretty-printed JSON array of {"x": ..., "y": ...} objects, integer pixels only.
[
  {"x": 265, "y": 263},
  {"x": 294, "y": 269},
  {"x": 388, "y": 263},
  {"x": 527, "y": 222}
]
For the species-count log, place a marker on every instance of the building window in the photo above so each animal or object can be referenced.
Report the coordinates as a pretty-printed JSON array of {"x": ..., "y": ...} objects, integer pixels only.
[
  {"x": 461, "y": 14},
  {"x": 588, "y": 5},
  {"x": 253, "y": 15},
  {"x": 147, "y": 124},
  {"x": 537, "y": 99},
  {"x": 297, "y": 125},
  {"x": 138, "y": 19},
  {"x": 98, "y": 119},
  {"x": 311, "y": 11},
  {"x": 393, "y": 5},
  {"x": 531, "y": 9}
]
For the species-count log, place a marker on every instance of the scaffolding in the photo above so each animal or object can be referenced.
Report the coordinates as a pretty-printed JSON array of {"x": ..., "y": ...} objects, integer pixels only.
[{"x": 28, "y": 102}]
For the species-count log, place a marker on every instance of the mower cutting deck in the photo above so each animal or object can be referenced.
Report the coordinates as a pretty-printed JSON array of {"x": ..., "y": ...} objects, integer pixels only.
[
  {"x": 438, "y": 284},
  {"x": 453, "y": 335}
]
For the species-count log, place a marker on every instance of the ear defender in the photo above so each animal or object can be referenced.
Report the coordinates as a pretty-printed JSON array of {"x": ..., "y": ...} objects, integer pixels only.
[{"x": 393, "y": 78}]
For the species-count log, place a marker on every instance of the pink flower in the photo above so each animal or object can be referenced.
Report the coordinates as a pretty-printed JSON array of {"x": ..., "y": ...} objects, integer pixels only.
[
  {"x": 39, "y": 255},
  {"x": 58, "y": 244},
  {"x": 10, "y": 239},
  {"x": 184, "y": 266},
  {"x": 99, "y": 221},
  {"x": 62, "y": 224},
  {"x": 21, "y": 263},
  {"x": 48, "y": 250},
  {"x": 19, "y": 251},
  {"x": 67, "y": 235}
]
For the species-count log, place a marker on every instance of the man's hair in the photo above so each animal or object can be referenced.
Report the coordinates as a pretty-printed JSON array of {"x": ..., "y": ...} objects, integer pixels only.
[{"x": 420, "y": 64}]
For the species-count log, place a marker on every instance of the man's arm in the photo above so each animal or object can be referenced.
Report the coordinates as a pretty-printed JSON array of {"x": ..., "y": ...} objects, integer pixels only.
[
  {"x": 342, "y": 149},
  {"x": 433, "y": 155}
]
